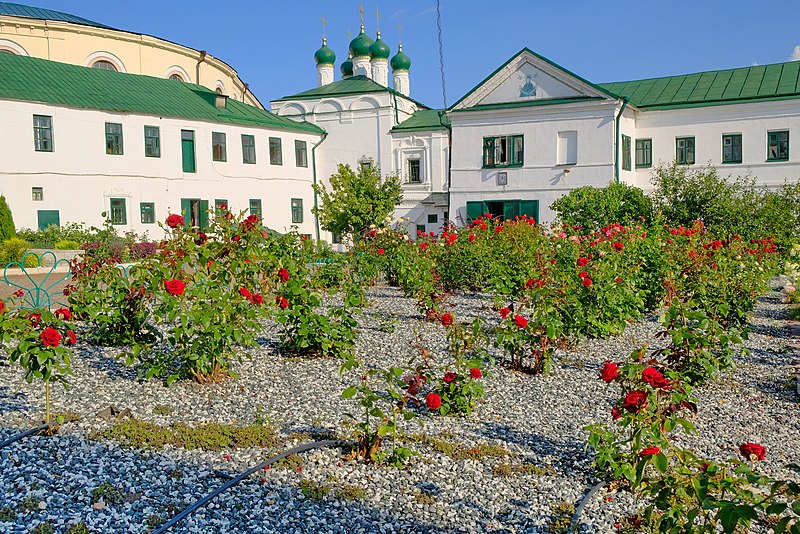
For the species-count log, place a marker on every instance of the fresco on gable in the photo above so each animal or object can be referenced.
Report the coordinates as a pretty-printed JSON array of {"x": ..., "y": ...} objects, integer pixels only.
[
  {"x": 528, "y": 83},
  {"x": 528, "y": 89}
]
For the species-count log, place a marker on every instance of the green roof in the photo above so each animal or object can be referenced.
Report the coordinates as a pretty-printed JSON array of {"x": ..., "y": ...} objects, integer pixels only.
[
  {"x": 40, "y": 80},
  {"x": 19, "y": 10},
  {"x": 762, "y": 82},
  {"x": 352, "y": 85},
  {"x": 529, "y": 103},
  {"x": 424, "y": 119}
]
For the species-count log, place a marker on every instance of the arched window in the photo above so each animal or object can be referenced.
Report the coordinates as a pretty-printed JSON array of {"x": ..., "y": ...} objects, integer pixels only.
[
  {"x": 4, "y": 51},
  {"x": 218, "y": 90},
  {"x": 176, "y": 77},
  {"x": 102, "y": 64}
]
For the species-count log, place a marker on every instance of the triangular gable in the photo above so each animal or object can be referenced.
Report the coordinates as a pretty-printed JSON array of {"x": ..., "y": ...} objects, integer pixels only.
[{"x": 528, "y": 76}]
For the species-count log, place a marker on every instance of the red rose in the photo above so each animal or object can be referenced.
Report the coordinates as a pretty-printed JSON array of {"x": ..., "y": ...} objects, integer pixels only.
[
  {"x": 498, "y": 229},
  {"x": 50, "y": 337},
  {"x": 35, "y": 319},
  {"x": 618, "y": 280},
  {"x": 250, "y": 223},
  {"x": 471, "y": 238},
  {"x": 423, "y": 246},
  {"x": 381, "y": 251},
  {"x": 236, "y": 238},
  {"x": 282, "y": 302},
  {"x": 583, "y": 274},
  {"x": 446, "y": 319},
  {"x": 583, "y": 262},
  {"x": 2, "y": 306},
  {"x": 243, "y": 291},
  {"x": 520, "y": 321},
  {"x": 64, "y": 313},
  {"x": 610, "y": 372},
  {"x": 635, "y": 401},
  {"x": 283, "y": 274},
  {"x": 452, "y": 238},
  {"x": 587, "y": 282},
  {"x": 748, "y": 450},
  {"x": 449, "y": 377},
  {"x": 475, "y": 373},
  {"x": 649, "y": 451},
  {"x": 257, "y": 299},
  {"x": 529, "y": 283},
  {"x": 653, "y": 377},
  {"x": 19, "y": 293},
  {"x": 433, "y": 401},
  {"x": 615, "y": 413},
  {"x": 175, "y": 287},
  {"x": 175, "y": 220},
  {"x": 504, "y": 312},
  {"x": 72, "y": 337},
  {"x": 617, "y": 245}
]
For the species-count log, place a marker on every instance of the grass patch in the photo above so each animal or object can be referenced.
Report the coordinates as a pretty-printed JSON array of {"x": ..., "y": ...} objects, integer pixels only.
[
  {"x": 45, "y": 527},
  {"x": 350, "y": 492},
  {"x": 561, "y": 518},
  {"x": 162, "y": 409},
  {"x": 29, "y": 504},
  {"x": 506, "y": 469},
  {"x": 458, "y": 451},
  {"x": 80, "y": 528},
  {"x": 7, "y": 513},
  {"x": 293, "y": 462},
  {"x": 134, "y": 432},
  {"x": 108, "y": 493},
  {"x": 424, "y": 498},
  {"x": 316, "y": 491}
]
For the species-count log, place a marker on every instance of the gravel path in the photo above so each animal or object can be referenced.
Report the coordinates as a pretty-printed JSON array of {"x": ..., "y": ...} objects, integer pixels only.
[{"x": 535, "y": 424}]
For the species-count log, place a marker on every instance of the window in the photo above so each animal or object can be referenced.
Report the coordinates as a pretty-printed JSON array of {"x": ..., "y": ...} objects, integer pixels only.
[
  {"x": 113, "y": 138},
  {"x": 43, "y": 133},
  {"x": 218, "y": 149},
  {"x": 255, "y": 207},
  {"x": 248, "y": 149},
  {"x": 37, "y": 194},
  {"x": 336, "y": 239},
  {"x": 176, "y": 77},
  {"x": 567, "y": 150},
  {"x": 684, "y": 150},
  {"x": 300, "y": 153},
  {"x": 421, "y": 229},
  {"x": 297, "y": 210},
  {"x": 275, "y": 154},
  {"x": 147, "y": 210},
  {"x": 732, "y": 148},
  {"x": 626, "y": 153},
  {"x": 104, "y": 65},
  {"x": 221, "y": 205},
  {"x": 414, "y": 171},
  {"x": 366, "y": 164},
  {"x": 778, "y": 146},
  {"x": 644, "y": 152},
  {"x": 502, "y": 151},
  {"x": 433, "y": 218},
  {"x": 187, "y": 151},
  {"x": 152, "y": 142},
  {"x": 118, "y": 213}
]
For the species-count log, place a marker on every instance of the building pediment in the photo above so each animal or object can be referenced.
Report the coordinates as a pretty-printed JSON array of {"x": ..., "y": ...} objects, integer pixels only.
[{"x": 529, "y": 77}]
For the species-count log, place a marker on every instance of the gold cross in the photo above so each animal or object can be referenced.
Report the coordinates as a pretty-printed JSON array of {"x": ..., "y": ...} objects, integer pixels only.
[
  {"x": 324, "y": 22},
  {"x": 378, "y": 18},
  {"x": 361, "y": 12}
]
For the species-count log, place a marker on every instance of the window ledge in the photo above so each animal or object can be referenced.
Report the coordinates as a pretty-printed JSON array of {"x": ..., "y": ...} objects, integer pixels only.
[
  {"x": 650, "y": 166},
  {"x": 566, "y": 164},
  {"x": 509, "y": 166},
  {"x": 731, "y": 163},
  {"x": 777, "y": 160}
]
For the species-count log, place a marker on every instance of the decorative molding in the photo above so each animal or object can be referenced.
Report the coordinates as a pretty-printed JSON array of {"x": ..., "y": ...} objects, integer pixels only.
[{"x": 103, "y": 55}]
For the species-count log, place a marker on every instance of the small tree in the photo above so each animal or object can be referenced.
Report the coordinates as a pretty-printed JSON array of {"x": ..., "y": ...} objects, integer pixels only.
[
  {"x": 7, "y": 230},
  {"x": 356, "y": 200},
  {"x": 593, "y": 208}
]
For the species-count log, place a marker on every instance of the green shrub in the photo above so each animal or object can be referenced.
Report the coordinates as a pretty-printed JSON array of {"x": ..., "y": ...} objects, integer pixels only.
[
  {"x": 67, "y": 244},
  {"x": 593, "y": 208},
  {"x": 13, "y": 249},
  {"x": 7, "y": 230}
]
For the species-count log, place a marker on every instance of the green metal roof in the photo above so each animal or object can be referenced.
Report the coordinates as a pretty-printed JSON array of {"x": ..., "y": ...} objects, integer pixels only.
[
  {"x": 762, "y": 82},
  {"x": 351, "y": 85},
  {"x": 529, "y": 103},
  {"x": 424, "y": 119},
  {"x": 19, "y": 10},
  {"x": 40, "y": 80}
]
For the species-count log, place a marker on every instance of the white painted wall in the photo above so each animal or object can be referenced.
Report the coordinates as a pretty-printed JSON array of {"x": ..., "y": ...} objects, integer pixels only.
[
  {"x": 79, "y": 178},
  {"x": 540, "y": 178}
]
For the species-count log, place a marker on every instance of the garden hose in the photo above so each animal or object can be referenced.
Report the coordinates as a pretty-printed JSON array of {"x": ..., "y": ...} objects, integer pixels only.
[
  {"x": 575, "y": 524},
  {"x": 33, "y": 431},
  {"x": 235, "y": 480}
]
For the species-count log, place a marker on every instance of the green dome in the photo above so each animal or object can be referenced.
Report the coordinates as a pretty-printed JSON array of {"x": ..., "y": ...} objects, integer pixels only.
[
  {"x": 359, "y": 46},
  {"x": 347, "y": 67},
  {"x": 400, "y": 61},
  {"x": 379, "y": 49},
  {"x": 324, "y": 56}
]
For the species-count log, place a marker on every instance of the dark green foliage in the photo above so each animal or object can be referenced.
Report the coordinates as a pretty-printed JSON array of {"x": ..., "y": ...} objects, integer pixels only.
[
  {"x": 356, "y": 200},
  {"x": 593, "y": 208},
  {"x": 7, "y": 230}
]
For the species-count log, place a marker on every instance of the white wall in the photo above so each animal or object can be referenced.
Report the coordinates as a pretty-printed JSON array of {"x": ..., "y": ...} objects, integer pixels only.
[
  {"x": 79, "y": 178},
  {"x": 540, "y": 178},
  {"x": 708, "y": 124}
]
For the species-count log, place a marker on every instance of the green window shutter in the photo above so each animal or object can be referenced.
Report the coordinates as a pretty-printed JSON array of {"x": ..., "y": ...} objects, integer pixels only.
[
  {"x": 475, "y": 210},
  {"x": 203, "y": 215},
  {"x": 488, "y": 152},
  {"x": 186, "y": 211},
  {"x": 119, "y": 213},
  {"x": 47, "y": 218},
  {"x": 510, "y": 209},
  {"x": 626, "y": 153},
  {"x": 529, "y": 208},
  {"x": 187, "y": 151}
]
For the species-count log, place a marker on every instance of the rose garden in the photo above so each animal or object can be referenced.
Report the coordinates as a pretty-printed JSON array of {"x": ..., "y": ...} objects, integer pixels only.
[{"x": 633, "y": 375}]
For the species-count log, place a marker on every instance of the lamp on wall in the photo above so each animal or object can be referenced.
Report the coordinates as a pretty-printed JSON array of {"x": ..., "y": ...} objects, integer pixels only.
[{"x": 502, "y": 178}]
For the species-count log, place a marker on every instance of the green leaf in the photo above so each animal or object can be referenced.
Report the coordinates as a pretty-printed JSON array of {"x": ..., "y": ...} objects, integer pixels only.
[
  {"x": 661, "y": 463},
  {"x": 349, "y": 392}
]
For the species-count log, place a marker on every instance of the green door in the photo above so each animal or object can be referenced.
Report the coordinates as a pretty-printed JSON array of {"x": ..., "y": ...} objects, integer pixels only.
[
  {"x": 48, "y": 218},
  {"x": 195, "y": 213},
  {"x": 475, "y": 210},
  {"x": 510, "y": 210},
  {"x": 529, "y": 208},
  {"x": 187, "y": 150}
]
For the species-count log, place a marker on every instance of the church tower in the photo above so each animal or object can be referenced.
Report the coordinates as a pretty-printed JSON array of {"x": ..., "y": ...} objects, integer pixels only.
[
  {"x": 401, "y": 64},
  {"x": 325, "y": 59}
]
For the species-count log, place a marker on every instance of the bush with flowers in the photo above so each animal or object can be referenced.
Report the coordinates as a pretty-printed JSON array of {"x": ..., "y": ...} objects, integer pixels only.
[{"x": 40, "y": 342}]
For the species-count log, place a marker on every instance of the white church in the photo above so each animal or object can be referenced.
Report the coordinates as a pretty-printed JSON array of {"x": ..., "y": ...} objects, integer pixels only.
[{"x": 94, "y": 121}]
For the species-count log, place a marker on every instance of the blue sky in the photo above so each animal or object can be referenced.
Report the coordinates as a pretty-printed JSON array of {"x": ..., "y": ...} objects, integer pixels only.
[{"x": 271, "y": 43}]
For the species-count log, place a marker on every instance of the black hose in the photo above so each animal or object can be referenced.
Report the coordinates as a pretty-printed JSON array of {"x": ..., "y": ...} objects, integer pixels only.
[
  {"x": 31, "y": 432},
  {"x": 575, "y": 524},
  {"x": 186, "y": 512}
]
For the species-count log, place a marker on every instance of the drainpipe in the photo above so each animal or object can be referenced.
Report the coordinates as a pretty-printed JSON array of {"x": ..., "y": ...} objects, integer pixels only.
[
  {"x": 616, "y": 141},
  {"x": 314, "y": 166},
  {"x": 449, "y": 157},
  {"x": 197, "y": 67}
]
